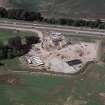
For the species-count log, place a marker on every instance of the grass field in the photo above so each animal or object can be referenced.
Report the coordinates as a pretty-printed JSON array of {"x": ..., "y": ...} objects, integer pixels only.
[
  {"x": 64, "y": 8},
  {"x": 6, "y": 34},
  {"x": 80, "y": 37},
  {"x": 32, "y": 89}
]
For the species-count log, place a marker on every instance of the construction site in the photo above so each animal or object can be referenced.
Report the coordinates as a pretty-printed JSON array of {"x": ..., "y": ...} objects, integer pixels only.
[{"x": 57, "y": 54}]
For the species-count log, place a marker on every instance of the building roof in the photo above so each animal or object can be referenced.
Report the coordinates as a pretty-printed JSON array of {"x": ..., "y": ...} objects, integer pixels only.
[{"x": 74, "y": 62}]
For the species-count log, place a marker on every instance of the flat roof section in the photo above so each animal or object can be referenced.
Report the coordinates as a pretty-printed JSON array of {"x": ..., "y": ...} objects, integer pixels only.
[{"x": 74, "y": 62}]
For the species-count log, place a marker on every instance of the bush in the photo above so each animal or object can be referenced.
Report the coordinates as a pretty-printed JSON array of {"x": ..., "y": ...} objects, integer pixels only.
[{"x": 32, "y": 40}]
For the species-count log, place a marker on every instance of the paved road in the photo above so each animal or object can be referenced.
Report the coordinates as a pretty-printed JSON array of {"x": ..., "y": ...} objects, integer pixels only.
[{"x": 26, "y": 26}]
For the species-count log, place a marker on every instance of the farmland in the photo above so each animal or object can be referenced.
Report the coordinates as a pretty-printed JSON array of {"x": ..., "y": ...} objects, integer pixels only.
[{"x": 61, "y": 8}]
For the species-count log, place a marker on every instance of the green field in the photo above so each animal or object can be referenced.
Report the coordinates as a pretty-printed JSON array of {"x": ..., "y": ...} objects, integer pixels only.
[
  {"x": 33, "y": 89},
  {"x": 64, "y": 8},
  {"x": 81, "y": 37},
  {"x": 6, "y": 34}
]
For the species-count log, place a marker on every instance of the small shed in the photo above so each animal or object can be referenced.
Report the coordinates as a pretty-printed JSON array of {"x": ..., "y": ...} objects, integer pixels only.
[{"x": 74, "y": 62}]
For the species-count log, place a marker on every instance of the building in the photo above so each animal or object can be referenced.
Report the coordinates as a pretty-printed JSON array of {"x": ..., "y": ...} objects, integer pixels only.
[{"x": 74, "y": 62}]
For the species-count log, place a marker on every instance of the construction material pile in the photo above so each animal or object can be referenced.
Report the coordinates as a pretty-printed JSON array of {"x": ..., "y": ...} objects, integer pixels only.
[{"x": 55, "y": 53}]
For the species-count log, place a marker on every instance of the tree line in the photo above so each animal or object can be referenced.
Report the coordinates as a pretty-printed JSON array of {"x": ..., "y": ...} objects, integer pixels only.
[
  {"x": 78, "y": 23},
  {"x": 15, "y": 47},
  {"x": 21, "y": 14}
]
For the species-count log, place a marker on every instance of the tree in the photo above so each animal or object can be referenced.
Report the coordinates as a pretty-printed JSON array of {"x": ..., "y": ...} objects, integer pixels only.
[
  {"x": 70, "y": 22},
  {"x": 3, "y": 12},
  {"x": 101, "y": 26},
  {"x": 52, "y": 21},
  {"x": 10, "y": 53},
  {"x": 5, "y": 52},
  {"x": 62, "y": 21},
  {"x": 79, "y": 23},
  {"x": 15, "y": 42},
  {"x": 1, "y": 50},
  {"x": 32, "y": 40}
]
